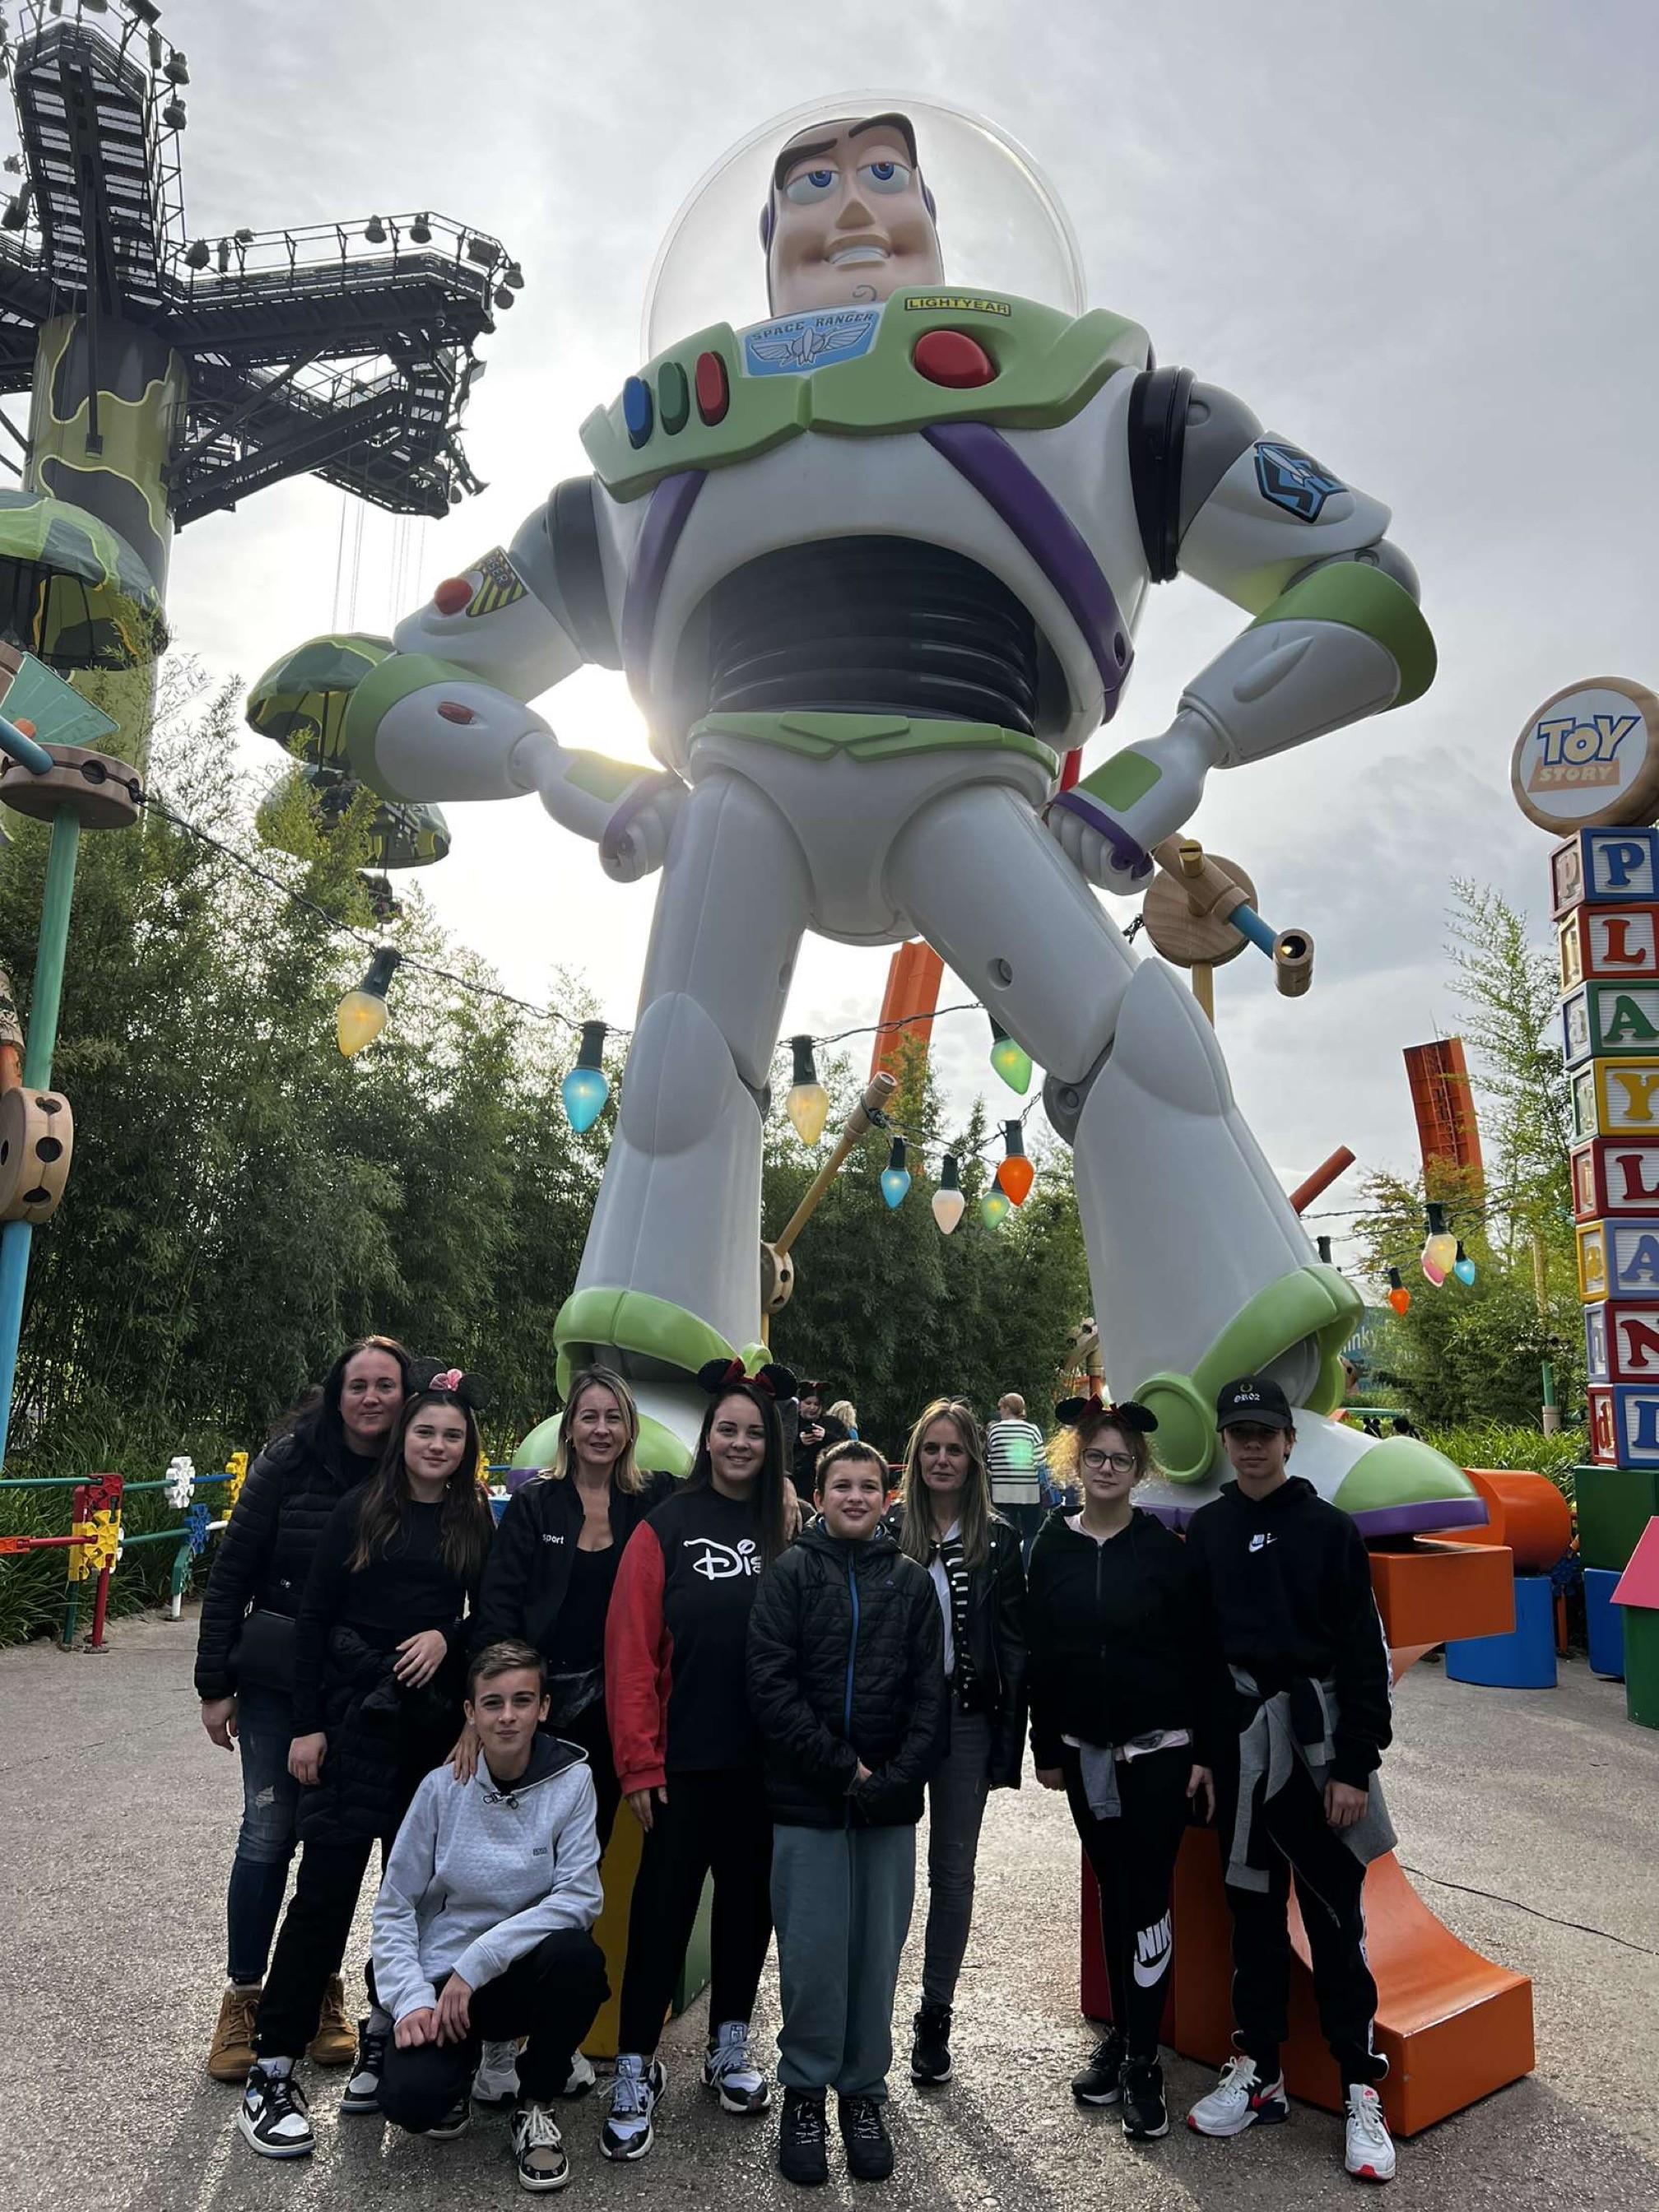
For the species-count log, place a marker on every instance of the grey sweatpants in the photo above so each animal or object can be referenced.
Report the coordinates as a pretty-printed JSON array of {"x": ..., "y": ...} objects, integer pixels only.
[
  {"x": 955, "y": 1807},
  {"x": 841, "y": 1900}
]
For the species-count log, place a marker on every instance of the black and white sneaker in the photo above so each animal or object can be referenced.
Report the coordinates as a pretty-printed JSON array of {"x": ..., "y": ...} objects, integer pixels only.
[
  {"x": 274, "y": 2115},
  {"x": 802, "y": 2157},
  {"x": 455, "y": 2122},
  {"x": 864, "y": 2134},
  {"x": 930, "y": 2052},
  {"x": 730, "y": 2069},
  {"x": 1145, "y": 2115},
  {"x": 1100, "y": 2082},
  {"x": 634, "y": 2095},
  {"x": 538, "y": 2149},
  {"x": 362, "y": 2088}
]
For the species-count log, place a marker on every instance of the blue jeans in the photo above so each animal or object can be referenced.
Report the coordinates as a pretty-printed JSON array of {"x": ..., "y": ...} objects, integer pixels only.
[{"x": 264, "y": 1843}]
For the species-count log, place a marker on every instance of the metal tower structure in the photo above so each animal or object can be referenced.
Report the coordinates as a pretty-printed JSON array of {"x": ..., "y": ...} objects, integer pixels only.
[{"x": 171, "y": 377}]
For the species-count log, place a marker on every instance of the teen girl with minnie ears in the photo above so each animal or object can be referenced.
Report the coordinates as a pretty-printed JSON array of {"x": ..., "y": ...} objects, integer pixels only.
[
  {"x": 1116, "y": 1682},
  {"x": 688, "y": 1750}
]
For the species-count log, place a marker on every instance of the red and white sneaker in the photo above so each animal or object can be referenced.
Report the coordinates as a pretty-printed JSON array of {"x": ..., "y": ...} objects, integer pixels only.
[
  {"x": 1369, "y": 2152},
  {"x": 1238, "y": 2101}
]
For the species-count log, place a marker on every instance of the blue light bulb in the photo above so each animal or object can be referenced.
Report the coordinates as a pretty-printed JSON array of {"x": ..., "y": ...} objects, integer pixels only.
[
  {"x": 1463, "y": 1266},
  {"x": 896, "y": 1177},
  {"x": 585, "y": 1090}
]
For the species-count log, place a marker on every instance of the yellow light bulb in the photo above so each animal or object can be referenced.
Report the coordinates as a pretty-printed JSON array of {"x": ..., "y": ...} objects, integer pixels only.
[
  {"x": 360, "y": 1019},
  {"x": 808, "y": 1108}
]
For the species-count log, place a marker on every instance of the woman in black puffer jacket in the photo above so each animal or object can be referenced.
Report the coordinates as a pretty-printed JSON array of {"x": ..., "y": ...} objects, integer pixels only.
[
  {"x": 945, "y": 1522},
  {"x": 245, "y": 1662}
]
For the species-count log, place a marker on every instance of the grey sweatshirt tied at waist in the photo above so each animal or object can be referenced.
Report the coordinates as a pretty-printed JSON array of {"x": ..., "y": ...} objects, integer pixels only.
[{"x": 1297, "y": 1723}]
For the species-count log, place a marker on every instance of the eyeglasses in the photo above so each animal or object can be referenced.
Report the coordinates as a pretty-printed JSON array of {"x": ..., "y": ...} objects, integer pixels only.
[{"x": 1098, "y": 1462}]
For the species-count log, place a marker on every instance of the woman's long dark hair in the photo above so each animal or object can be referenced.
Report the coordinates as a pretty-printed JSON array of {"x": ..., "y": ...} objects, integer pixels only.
[
  {"x": 468, "y": 1523},
  {"x": 317, "y": 1421},
  {"x": 768, "y": 1483}
]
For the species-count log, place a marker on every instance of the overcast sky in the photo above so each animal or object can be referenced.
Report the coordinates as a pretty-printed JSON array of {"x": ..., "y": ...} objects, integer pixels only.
[{"x": 1418, "y": 238}]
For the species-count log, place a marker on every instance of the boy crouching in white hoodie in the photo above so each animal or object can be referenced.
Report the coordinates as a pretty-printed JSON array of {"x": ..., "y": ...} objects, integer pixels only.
[{"x": 482, "y": 1928}]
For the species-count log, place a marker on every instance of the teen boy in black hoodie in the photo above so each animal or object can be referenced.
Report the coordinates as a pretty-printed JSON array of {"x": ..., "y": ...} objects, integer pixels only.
[
  {"x": 1289, "y": 1589},
  {"x": 847, "y": 1682}
]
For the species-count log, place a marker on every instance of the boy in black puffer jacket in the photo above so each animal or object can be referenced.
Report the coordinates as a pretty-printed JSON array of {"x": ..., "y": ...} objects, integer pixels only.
[{"x": 845, "y": 1680}]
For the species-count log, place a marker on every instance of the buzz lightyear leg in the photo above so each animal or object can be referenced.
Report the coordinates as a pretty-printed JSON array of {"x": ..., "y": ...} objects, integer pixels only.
[
  {"x": 671, "y": 1275},
  {"x": 1200, "y": 1269}
]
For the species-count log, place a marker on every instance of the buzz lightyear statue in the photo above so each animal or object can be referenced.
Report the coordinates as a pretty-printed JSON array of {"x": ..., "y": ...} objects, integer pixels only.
[{"x": 870, "y": 564}]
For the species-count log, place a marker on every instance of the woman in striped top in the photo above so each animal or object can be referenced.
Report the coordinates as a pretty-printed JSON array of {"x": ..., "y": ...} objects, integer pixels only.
[{"x": 946, "y": 1522}]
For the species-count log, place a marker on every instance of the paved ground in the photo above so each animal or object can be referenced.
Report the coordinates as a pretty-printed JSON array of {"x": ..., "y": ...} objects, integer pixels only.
[{"x": 116, "y": 1823}]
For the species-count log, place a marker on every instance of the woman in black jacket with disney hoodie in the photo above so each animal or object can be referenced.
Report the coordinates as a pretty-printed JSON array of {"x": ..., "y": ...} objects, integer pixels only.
[{"x": 846, "y": 1683}]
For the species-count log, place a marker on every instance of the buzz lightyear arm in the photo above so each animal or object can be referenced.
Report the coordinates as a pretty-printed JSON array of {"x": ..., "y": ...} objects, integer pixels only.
[
  {"x": 446, "y": 716},
  {"x": 1337, "y": 634}
]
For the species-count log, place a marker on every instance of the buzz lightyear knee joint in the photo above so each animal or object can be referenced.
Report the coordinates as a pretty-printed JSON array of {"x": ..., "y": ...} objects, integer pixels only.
[
  {"x": 680, "y": 1079},
  {"x": 1064, "y": 1098}
]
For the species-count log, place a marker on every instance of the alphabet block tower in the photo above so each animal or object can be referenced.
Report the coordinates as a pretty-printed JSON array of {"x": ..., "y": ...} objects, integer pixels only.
[{"x": 1588, "y": 762}]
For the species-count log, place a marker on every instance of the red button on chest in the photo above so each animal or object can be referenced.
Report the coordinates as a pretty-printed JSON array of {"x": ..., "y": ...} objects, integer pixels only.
[
  {"x": 713, "y": 393},
  {"x": 953, "y": 358}
]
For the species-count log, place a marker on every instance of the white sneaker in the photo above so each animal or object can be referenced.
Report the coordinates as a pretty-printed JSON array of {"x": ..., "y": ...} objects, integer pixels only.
[
  {"x": 496, "y": 2081},
  {"x": 1238, "y": 2101},
  {"x": 1369, "y": 2152},
  {"x": 581, "y": 2078},
  {"x": 730, "y": 2069}
]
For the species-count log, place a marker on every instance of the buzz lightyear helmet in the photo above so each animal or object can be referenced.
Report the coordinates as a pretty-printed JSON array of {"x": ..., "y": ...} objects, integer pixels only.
[{"x": 1001, "y": 228}]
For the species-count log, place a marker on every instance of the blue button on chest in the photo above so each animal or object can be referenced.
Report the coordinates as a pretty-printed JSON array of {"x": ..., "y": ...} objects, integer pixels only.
[{"x": 636, "y": 410}]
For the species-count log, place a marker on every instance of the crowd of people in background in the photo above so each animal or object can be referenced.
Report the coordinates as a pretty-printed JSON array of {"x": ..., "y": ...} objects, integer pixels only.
[{"x": 780, "y": 1663}]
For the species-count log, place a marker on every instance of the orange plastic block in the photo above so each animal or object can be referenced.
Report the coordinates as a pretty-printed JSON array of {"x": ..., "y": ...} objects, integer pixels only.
[
  {"x": 1527, "y": 1512},
  {"x": 1436, "y": 1591}
]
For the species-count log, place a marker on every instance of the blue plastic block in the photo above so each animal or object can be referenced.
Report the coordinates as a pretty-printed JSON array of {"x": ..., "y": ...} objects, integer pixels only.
[
  {"x": 1607, "y": 1626},
  {"x": 1522, "y": 1660}
]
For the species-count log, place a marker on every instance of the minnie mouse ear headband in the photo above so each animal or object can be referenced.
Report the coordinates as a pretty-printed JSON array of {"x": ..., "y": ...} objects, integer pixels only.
[
  {"x": 429, "y": 1377},
  {"x": 1071, "y": 1411},
  {"x": 718, "y": 1375}
]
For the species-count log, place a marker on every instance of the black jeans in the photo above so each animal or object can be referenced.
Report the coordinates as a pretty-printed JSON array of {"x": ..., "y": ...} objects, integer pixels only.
[
  {"x": 1133, "y": 1859},
  {"x": 712, "y": 1823},
  {"x": 550, "y": 1995},
  {"x": 1329, "y": 1881},
  {"x": 591, "y": 1730},
  {"x": 313, "y": 1942}
]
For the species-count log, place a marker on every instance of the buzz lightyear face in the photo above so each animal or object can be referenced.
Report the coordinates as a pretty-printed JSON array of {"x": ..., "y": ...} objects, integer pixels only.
[{"x": 849, "y": 220}]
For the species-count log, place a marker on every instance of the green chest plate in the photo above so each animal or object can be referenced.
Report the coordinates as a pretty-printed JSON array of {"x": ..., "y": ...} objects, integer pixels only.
[{"x": 1045, "y": 368}]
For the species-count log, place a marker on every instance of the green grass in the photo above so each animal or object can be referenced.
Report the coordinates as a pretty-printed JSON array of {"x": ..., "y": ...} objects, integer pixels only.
[{"x": 1513, "y": 1446}]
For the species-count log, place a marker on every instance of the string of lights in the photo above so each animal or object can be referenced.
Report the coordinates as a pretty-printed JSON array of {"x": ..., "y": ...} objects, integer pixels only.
[{"x": 363, "y": 1017}]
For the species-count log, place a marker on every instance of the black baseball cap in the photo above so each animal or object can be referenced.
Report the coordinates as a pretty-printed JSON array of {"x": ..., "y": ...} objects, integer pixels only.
[{"x": 1254, "y": 1401}]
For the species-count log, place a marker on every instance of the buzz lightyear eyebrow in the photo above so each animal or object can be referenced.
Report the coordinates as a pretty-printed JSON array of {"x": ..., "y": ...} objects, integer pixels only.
[{"x": 791, "y": 156}]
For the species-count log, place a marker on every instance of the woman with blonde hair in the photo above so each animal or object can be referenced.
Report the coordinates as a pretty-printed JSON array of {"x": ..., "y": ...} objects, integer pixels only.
[
  {"x": 554, "y": 1564},
  {"x": 946, "y": 1522}
]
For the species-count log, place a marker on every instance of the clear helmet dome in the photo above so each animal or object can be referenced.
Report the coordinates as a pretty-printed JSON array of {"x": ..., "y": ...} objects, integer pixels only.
[{"x": 1000, "y": 228}]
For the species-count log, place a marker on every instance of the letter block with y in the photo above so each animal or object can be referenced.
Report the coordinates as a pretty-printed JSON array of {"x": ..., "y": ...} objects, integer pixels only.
[{"x": 1620, "y": 1097}]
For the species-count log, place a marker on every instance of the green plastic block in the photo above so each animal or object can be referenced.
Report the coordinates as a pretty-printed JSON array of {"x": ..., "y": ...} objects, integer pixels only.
[
  {"x": 1614, "y": 1505},
  {"x": 1641, "y": 1666}
]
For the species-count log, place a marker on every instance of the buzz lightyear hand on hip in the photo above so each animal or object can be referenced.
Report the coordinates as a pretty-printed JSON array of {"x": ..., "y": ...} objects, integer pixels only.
[{"x": 420, "y": 730}]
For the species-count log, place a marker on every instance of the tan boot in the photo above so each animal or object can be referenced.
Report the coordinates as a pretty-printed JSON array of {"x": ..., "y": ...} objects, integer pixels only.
[
  {"x": 232, "y": 2052},
  {"x": 335, "y": 2042}
]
